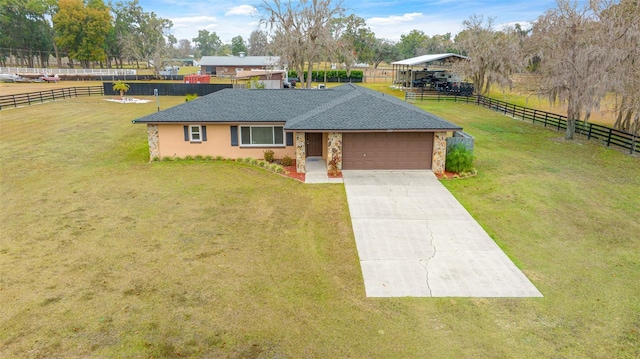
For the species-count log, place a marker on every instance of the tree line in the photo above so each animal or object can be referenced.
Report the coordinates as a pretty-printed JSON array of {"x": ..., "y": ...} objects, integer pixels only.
[{"x": 578, "y": 52}]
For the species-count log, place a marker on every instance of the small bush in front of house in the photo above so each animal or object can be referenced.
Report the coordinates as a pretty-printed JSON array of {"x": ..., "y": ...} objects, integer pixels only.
[
  {"x": 268, "y": 155},
  {"x": 188, "y": 158},
  {"x": 155, "y": 159},
  {"x": 262, "y": 164},
  {"x": 199, "y": 158},
  {"x": 287, "y": 161},
  {"x": 208, "y": 158},
  {"x": 459, "y": 159},
  {"x": 253, "y": 161},
  {"x": 191, "y": 97},
  {"x": 167, "y": 159},
  {"x": 219, "y": 158}
]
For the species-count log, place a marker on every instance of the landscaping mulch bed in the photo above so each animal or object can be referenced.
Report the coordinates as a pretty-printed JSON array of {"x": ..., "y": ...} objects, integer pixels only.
[
  {"x": 290, "y": 171},
  {"x": 446, "y": 175}
]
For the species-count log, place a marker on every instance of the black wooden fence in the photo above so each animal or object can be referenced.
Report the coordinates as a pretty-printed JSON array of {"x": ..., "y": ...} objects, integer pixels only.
[
  {"x": 607, "y": 135},
  {"x": 25, "y": 99},
  {"x": 166, "y": 89}
]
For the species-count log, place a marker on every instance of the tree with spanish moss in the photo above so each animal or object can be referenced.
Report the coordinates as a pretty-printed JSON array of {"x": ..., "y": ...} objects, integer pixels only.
[{"x": 299, "y": 30}]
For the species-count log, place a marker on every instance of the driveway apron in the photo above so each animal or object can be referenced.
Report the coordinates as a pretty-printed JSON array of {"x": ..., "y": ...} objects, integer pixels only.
[{"x": 415, "y": 239}]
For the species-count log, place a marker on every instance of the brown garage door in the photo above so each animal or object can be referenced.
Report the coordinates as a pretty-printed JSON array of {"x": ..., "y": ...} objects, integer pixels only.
[{"x": 387, "y": 151}]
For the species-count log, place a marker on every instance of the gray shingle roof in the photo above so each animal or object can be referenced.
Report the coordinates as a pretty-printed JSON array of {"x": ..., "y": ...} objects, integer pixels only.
[{"x": 344, "y": 108}]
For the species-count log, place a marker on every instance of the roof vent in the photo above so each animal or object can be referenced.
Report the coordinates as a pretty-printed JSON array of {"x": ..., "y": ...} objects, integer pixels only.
[{"x": 241, "y": 53}]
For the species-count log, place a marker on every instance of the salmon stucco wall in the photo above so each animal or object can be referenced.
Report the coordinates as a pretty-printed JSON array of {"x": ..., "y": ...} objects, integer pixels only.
[{"x": 172, "y": 144}]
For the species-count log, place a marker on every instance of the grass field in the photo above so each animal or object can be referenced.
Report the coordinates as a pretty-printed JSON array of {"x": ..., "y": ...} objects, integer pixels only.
[{"x": 103, "y": 254}]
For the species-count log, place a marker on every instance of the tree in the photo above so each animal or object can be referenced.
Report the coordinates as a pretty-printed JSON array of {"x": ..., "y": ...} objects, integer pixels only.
[
  {"x": 384, "y": 51},
  {"x": 82, "y": 29},
  {"x": 25, "y": 34},
  {"x": 184, "y": 48},
  {"x": 238, "y": 45},
  {"x": 621, "y": 36},
  {"x": 412, "y": 44},
  {"x": 574, "y": 62},
  {"x": 145, "y": 39},
  {"x": 493, "y": 55},
  {"x": 208, "y": 44},
  {"x": 121, "y": 87},
  {"x": 300, "y": 30},
  {"x": 355, "y": 39},
  {"x": 258, "y": 42}
]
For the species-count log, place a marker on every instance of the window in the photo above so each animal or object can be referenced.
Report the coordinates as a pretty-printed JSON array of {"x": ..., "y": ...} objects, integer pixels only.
[
  {"x": 195, "y": 133},
  {"x": 261, "y": 136}
]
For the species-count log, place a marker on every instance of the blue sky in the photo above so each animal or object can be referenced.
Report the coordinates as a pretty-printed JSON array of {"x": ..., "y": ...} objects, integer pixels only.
[{"x": 387, "y": 19}]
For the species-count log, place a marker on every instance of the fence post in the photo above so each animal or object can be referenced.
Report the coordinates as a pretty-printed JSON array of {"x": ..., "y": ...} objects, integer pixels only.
[
  {"x": 633, "y": 144},
  {"x": 53, "y": 94},
  {"x": 29, "y": 99},
  {"x": 14, "y": 101},
  {"x": 546, "y": 116},
  {"x": 609, "y": 137},
  {"x": 41, "y": 99},
  {"x": 589, "y": 133}
]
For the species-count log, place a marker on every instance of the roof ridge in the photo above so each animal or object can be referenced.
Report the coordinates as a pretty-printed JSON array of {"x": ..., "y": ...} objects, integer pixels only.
[{"x": 353, "y": 93}]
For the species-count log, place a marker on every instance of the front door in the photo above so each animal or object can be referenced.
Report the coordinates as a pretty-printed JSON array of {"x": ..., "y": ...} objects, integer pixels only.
[{"x": 314, "y": 144}]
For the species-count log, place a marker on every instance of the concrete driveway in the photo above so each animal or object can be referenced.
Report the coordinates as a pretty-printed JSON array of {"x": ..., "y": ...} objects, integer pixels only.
[{"x": 415, "y": 239}]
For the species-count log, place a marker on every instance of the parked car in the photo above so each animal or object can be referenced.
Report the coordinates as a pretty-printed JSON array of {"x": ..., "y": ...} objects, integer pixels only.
[{"x": 293, "y": 81}]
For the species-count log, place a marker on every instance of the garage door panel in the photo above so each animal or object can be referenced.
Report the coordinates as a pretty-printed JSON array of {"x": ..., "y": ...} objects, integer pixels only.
[{"x": 396, "y": 150}]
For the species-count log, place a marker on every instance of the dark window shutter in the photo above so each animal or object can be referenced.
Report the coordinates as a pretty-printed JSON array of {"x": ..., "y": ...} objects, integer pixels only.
[
  {"x": 204, "y": 133},
  {"x": 234, "y": 135},
  {"x": 186, "y": 133},
  {"x": 289, "y": 138}
]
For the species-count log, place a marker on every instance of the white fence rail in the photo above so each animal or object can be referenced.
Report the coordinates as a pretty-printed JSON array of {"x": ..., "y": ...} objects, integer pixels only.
[{"x": 40, "y": 71}]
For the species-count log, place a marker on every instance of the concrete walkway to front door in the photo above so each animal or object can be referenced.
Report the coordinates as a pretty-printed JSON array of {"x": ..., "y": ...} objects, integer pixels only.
[
  {"x": 415, "y": 239},
  {"x": 316, "y": 171}
]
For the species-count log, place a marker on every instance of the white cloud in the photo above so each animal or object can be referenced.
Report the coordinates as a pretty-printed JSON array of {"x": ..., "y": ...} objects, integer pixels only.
[
  {"x": 394, "y": 19},
  {"x": 244, "y": 10}
]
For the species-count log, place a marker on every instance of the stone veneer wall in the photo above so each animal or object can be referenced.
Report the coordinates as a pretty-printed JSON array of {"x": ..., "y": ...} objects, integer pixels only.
[
  {"x": 334, "y": 145},
  {"x": 154, "y": 141},
  {"x": 301, "y": 165},
  {"x": 439, "y": 152}
]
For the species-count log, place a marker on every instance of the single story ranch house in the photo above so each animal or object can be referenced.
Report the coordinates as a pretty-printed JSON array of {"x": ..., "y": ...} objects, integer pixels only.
[{"x": 360, "y": 128}]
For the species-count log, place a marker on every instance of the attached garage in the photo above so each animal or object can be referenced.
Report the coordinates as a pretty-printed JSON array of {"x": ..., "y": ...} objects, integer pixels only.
[{"x": 387, "y": 150}]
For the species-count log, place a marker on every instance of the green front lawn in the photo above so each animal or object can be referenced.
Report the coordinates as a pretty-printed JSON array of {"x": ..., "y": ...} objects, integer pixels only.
[{"x": 103, "y": 254}]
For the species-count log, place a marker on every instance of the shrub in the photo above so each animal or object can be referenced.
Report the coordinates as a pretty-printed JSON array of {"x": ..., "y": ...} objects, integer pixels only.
[
  {"x": 262, "y": 164},
  {"x": 199, "y": 158},
  {"x": 188, "y": 158},
  {"x": 268, "y": 155},
  {"x": 333, "y": 165},
  {"x": 219, "y": 158},
  {"x": 191, "y": 97},
  {"x": 287, "y": 161},
  {"x": 208, "y": 158},
  {"x": 459, "y": 159},
  {"x": 253, "y": 161}
]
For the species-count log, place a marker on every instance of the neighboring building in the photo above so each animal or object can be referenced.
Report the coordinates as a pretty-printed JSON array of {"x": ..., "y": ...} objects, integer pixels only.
[
  {"x": 426, "y": 69},
  {"x": 272, "y": 79},
  {"x": 227, "y": 66},
  {"x": 361, "y": 128}
]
